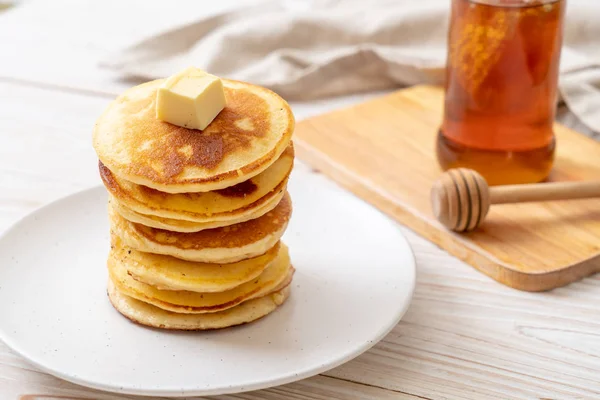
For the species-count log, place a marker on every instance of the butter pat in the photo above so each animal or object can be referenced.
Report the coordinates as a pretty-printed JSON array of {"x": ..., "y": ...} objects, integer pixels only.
[{"x": 191, "y": 99}]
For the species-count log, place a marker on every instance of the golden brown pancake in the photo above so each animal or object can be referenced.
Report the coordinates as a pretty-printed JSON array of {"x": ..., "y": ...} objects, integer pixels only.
[
  {"x": 220, "y": 245},
  {"x": 247, "y": 136},
  {"x": 277, "y": 275},
  {"x": 219, "y": 205},
  {"x": 149, "y": 315},
  {"x": 226, "y": 206},
  {"x": 170, "y": 273},
  {"x": 178, "y": 225}
]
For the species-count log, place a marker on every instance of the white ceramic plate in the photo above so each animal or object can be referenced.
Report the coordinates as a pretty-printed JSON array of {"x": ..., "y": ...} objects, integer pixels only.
[{"x": 354, "y": 281}]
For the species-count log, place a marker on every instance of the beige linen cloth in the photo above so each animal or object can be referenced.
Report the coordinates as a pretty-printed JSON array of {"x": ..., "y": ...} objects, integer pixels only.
[{"x": 307, "y": 49}]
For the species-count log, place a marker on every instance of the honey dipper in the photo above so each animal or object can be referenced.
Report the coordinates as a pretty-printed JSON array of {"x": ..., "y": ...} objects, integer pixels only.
[{"x": 461, "y": 198}]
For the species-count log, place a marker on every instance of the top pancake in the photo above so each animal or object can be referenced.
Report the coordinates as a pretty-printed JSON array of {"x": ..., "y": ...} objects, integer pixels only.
[{"x": 247, "y": 136}]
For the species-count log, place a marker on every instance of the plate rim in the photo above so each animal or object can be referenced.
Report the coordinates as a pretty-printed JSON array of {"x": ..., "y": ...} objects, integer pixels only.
[{"x": 233, "y": 389}]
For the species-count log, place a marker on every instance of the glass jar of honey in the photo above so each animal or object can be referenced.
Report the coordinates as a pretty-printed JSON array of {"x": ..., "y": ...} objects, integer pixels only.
[{"x": 501, "y": 88}]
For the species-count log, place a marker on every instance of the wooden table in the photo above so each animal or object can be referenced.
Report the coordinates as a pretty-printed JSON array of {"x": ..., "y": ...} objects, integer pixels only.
[{"x": 464, "y": 337}]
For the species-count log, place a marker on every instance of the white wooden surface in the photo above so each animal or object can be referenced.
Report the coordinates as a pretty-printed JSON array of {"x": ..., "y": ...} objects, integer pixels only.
[{"x": 464, "y": 337}]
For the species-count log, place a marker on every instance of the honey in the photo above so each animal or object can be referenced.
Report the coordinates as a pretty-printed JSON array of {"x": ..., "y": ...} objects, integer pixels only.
[{"x": 501, "y": 88}]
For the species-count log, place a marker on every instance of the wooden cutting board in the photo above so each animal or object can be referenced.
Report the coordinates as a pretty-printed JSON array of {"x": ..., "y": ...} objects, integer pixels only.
[{"x": 384, "y": 152}]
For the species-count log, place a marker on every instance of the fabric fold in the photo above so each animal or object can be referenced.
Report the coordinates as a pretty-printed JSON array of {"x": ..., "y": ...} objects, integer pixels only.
[{"x": 307, "y": 50}]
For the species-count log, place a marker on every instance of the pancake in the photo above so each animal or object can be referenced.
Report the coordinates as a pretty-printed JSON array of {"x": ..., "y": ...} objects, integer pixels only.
[
  {"x": 166, "y": 272},
  {"x": 178, "y": 225},
  {"x": 220, "y": 245},
  {"x": 222, "y": 205},
  {"x": 247, "y": 136},
  {"x": 149, "y": 315},
  {"x": 277, "y": 275}
]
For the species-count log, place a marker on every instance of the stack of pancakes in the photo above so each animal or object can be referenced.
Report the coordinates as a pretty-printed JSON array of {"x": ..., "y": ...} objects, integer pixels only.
[{"x": 197, "y": 216}]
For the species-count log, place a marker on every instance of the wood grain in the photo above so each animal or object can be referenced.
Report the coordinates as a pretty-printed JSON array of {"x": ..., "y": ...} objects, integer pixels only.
[{"x": 383, "y": 151}]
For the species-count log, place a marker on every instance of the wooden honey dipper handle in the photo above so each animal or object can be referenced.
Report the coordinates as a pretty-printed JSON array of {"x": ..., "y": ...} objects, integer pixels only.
[
  {"x": 543, "y": 192},
  {"x": 461, "y": 198}
]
